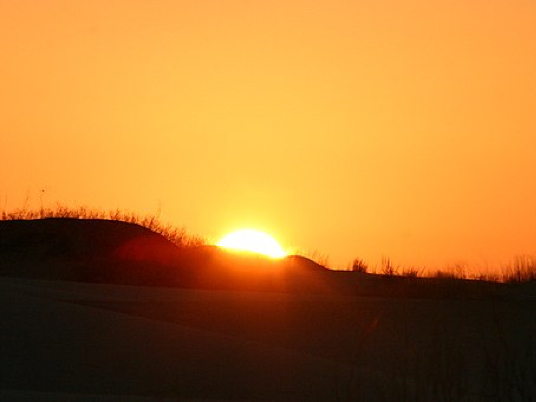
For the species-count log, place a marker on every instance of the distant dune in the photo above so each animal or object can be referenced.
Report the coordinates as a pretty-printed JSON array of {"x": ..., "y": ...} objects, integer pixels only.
[
  {"x": 115, "y": 252},
  {"x": 103, "y": 251}
]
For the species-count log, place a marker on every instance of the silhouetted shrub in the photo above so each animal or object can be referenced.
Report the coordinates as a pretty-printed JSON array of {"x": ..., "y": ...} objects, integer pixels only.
[{"x": 358, "y": 265}]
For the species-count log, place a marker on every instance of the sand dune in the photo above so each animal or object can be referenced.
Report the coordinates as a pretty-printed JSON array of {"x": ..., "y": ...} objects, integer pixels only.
[
  {"x": 69, "y": 347},
  {"x": 87, "y": 339},
  {"x": 242, "y": 328},
  {"x": 101, "y": 251}
]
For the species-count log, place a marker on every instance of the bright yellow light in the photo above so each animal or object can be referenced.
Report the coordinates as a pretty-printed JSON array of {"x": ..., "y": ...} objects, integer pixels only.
[{"x": 253, "y": 241}]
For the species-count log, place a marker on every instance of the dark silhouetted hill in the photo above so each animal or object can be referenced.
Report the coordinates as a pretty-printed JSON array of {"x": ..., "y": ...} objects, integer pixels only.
[
  {"x": 115, "y": 252},
  {"x": 103, "y": 251}
]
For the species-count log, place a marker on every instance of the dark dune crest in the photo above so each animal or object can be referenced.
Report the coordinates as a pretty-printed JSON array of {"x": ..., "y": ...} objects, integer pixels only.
[
  {"x": 116, "y": 252},
  {"x": 104, "y": 251},
  {"x": 69, "y": 237}
]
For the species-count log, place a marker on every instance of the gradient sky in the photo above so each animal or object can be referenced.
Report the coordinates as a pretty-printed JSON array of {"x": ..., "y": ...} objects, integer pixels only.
[{"x": 354, "y": 128}]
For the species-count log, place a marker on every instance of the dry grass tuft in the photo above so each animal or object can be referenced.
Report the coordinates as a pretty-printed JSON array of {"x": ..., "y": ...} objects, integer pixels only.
[
  {"x": 521, "y": 270},
  {"x": 387, "y": 267},
  {"x": 358, "y": 265}
]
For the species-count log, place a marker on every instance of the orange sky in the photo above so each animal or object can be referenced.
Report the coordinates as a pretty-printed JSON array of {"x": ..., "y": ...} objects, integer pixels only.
[{"x": 355, "y": 128}]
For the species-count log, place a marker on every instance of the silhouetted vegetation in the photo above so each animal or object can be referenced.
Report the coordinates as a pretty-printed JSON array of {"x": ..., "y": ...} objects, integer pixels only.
[
  {"x": 176, "y": 235},
  {"x": 358, "y": 265},
  {"x": 521, "y": 270}
]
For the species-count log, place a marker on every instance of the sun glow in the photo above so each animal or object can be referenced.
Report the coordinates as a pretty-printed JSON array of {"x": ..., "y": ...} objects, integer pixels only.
[{"x": 253, "y": 241}]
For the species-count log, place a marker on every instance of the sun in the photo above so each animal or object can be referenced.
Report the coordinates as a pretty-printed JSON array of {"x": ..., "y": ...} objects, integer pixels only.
[{"x": 253, "y": 241}]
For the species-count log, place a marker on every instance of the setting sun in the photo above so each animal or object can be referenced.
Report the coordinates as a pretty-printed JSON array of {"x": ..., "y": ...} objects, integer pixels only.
[{"x": 253, "y": 241}]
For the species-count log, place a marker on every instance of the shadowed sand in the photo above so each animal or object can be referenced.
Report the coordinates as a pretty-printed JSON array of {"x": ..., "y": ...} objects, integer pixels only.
[
  {"x": 273, "y": 330},
  {"x": 50, "y": 345}
]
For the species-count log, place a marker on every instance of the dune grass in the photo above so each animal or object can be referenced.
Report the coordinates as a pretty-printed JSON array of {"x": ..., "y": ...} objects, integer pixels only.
[
  {"x": 522, "y": 269},
  {"x": 177, "y": 235}
]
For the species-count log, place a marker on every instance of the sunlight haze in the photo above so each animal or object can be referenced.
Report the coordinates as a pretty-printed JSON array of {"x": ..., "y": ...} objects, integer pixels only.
[{"x": 354, "y": 129}]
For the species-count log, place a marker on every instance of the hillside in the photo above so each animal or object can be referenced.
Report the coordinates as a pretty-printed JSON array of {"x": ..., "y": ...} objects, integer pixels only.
[
  {"x": 104, "y": 251},
  {"x": 115, "y": 252},
  {"x": 203, "y": 323}
]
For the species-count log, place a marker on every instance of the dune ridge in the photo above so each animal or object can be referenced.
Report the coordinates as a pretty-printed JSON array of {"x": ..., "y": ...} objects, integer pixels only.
[{"x": 105, "y": 251}]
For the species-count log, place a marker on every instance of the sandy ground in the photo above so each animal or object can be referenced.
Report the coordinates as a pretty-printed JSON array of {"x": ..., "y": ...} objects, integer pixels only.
[
  {"x": 76, "y": 341},
  {"x": 55, "y": 343}
]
